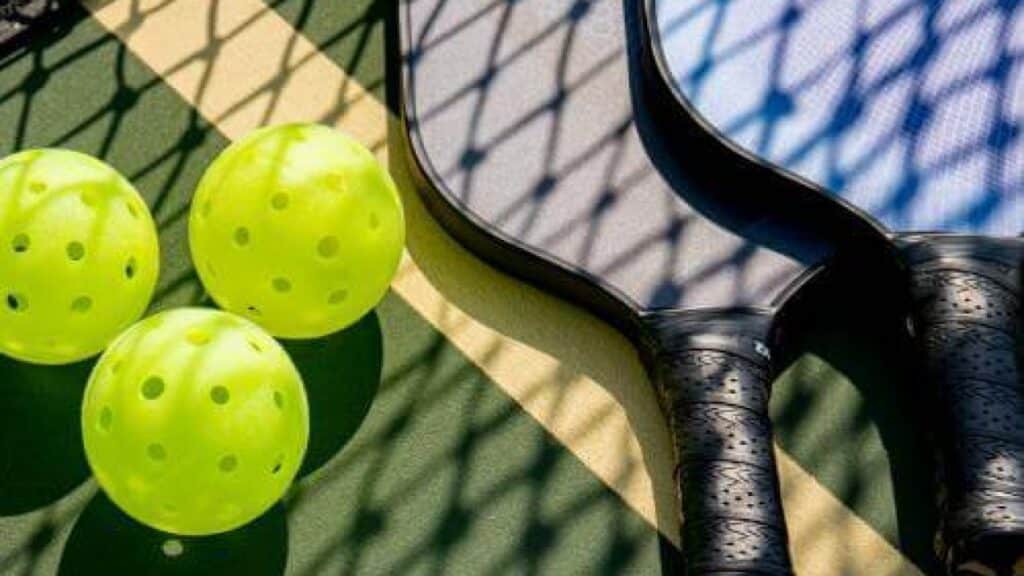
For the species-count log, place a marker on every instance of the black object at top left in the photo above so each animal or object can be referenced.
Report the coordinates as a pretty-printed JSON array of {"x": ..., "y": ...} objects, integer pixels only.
[{"x": 21, "y": 18}]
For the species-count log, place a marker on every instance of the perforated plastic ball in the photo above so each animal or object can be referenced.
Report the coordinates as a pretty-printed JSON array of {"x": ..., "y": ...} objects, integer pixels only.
[
  {"x": 195, "y": 421},
  {"x": 78, "y": 255},
  {"x": 298, "y": 228}
]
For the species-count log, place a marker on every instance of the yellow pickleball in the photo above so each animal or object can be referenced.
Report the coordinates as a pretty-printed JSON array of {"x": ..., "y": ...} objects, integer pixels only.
[
  {"x": 78, "y": 255},
  {"x": 298, "y": 228},
  {"x": 195, "y": 421}
]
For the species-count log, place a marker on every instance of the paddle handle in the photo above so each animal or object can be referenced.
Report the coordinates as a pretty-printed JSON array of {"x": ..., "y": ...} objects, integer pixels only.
[
  {"x": 713, "y": 377},
  {"x": 965, "y": 295}
]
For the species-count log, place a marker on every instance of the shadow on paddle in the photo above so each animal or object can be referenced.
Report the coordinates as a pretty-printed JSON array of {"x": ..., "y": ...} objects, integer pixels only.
[{"x": 843, "y": 408}]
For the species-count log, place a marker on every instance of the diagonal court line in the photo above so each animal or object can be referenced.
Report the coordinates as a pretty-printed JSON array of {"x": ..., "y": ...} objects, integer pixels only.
[{"x": 241, "y": 65}]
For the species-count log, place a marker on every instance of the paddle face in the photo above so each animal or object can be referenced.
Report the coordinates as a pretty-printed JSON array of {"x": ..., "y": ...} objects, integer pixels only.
[
  {"x": 910, "y": 110},
  {"x": 520, "y": 113}
]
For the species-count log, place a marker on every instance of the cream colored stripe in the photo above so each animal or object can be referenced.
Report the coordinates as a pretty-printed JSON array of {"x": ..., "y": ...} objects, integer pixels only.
[{"x": 242, "y": 66}]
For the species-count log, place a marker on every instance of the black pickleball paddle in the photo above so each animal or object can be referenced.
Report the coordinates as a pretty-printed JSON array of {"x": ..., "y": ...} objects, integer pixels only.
[
  {"x": 911, "y": 112},
  {"x": 528, "y": 128}
]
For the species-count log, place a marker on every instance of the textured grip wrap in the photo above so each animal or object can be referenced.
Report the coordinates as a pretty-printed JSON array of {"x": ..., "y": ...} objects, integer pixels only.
[
  {"x": 713, "y": 372},
  {"x": 965, "y": 295}
]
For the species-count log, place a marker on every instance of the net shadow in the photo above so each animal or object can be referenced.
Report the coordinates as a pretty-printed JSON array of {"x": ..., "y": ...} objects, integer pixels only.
[
  {"x": 912, "y": 112},
  {"x": 79, "y": 87}
]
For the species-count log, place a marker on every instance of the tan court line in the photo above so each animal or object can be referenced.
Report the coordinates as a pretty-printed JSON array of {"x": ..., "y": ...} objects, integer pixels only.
[{"x": 241, "y": 65}]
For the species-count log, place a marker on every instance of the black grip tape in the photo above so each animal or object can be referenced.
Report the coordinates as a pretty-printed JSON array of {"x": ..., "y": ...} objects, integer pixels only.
[
  {"x": 714, "y": 390},
  {"x": 966, "y": 312}
]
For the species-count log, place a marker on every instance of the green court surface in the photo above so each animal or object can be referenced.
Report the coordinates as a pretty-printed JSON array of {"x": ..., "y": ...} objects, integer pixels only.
[{"x": 419, "y": 462}]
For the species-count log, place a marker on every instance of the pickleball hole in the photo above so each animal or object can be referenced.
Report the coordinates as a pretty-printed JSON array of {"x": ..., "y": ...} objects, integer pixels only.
[
  {"x": 282, "y": 285},
  {"x": 277, "y": 465},
  {"x": 130, "y": 267},
  {"x": 197, "y": 337},
  {"x": 220, "y": 395},
  {"x": 328, "y": 246},
  {"x": 255, "y": 346},
  {"x": 253, "y": 311},
  {"x": 280, "y": 201},
  {"x": 17, "y": 302},
  {"x": 242, "y": 236},
  {"x": 206, "y": 209},
  {"x": 228, "y": 463},
  {"x": 279, "y": 399},
  {"x": 21, "y": 243},
  {"x": 210, "y": 269},
  {"x": 81, "y": 305},
  {"x": 337, "y": 297},
  {"x": 336, "y": 182},
  {"x": 132, "y": 211},
  {"x": 156, "y": 452},
  {"x": 374, "y": 221},
  {"x": 37, "y": 187},
  {"x": 172, "y": 548},
  {"x": 75, "y": 251},
  {"x": 153, "y": 387},
  {"x": 87, "y": 199},
  {"x": 106, "y": 419}
]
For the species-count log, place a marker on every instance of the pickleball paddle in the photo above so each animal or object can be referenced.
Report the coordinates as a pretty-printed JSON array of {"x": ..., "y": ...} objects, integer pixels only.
[
  {"x": 533, "y": 148},
  {"x": 909, "y": 112},
  {"x": 19, "y": 17}
]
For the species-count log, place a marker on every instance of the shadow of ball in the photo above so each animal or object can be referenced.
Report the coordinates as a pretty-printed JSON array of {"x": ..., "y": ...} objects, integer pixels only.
[
  {"x": 106, "y": 541},
  {"x": 41, "y": 456},
  {"x": 342, "y": 374}
]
